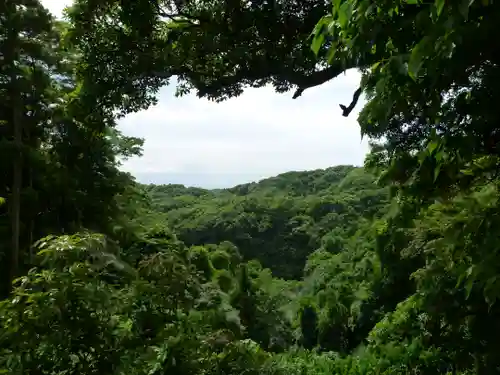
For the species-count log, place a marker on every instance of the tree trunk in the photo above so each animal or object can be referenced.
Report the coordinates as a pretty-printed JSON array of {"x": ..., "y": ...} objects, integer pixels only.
[
  {"x": 17, "y": 181},
  {"x": 31, "y": 225},
  {"x": 11, "y": 56}
]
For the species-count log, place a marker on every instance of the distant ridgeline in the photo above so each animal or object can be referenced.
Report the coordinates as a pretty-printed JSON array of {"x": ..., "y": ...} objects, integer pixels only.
[{"x": 279, "y": 221}]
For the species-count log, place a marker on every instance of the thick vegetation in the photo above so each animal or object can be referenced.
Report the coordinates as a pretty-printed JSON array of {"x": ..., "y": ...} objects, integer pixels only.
[
  {"x": 285, "y": 217},
  {"x": 387, "y": 269}
]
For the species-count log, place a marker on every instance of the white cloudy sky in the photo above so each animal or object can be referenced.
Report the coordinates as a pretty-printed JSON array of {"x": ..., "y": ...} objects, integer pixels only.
[{"x": 259, "y": 134}]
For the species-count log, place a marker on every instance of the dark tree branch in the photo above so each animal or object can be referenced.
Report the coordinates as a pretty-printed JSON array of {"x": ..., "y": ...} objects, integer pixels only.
[
  {"x": 245, "y": 75},
  {"x": 301, "y": 80},
  {"x": 297, "y": 93},
  {"x": 263, "y": 71},
  {"x": 315, "y": 79},
  {"x": 347, "y": 110}
]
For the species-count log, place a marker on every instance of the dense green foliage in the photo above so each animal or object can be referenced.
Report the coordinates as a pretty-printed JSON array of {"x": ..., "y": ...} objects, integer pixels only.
[
  {"x": 285, "y": 217},
  {"x": 387, "y": 269}
]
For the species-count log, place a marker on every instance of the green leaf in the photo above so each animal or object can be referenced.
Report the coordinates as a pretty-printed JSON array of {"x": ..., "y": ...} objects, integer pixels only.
[
  {"x": 331, "y": 53},
  {"x": 369, "y": 10},
  {"x": 317, "y": 42},
  {"x": 324, "y": 26},
  {"x": 326, "y": 22},
  {"x": 439, "y": 155},
  {"x": 417, "y": 57},
  {"x": 375, "y": 66},
  {"x": 439, "y": 6},
  {"x": 468, "y": 287},
  {"x": 318, "y": 29},
  {"x": 336, "y": 5},
  {"x": 432, "y": 146},
  {"x": 344, "y": 14}
]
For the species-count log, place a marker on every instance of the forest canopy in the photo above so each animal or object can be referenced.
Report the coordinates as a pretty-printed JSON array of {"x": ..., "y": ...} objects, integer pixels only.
[
  {"x": 387, "y": 269},
  {"x": 284, "y": 217}
]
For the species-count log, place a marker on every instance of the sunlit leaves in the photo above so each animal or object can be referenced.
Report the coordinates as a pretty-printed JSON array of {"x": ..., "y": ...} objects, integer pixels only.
[
  {"x": 323, "y": 30},
  {"x": 84, "y": 321}
]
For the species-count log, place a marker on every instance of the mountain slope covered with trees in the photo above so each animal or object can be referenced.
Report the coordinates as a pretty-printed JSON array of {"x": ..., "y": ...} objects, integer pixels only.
[
  {"x": 278, "y": 221},
  {"x": 391, "y": 269}
]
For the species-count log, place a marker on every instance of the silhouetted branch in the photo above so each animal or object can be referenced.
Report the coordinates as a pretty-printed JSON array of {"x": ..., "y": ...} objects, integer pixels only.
[
  {"x": 315, "y": 79},
  {"x": 347, "y": 110}
]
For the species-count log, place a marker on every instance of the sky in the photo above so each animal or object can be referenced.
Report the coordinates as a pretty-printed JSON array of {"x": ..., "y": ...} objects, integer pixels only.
[{"x": 259, "y": 134}]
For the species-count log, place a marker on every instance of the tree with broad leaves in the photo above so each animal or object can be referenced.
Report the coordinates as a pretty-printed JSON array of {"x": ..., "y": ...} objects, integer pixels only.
[
  {"x": 215, "y": 48},
  {"x": 431, "y": 94}
]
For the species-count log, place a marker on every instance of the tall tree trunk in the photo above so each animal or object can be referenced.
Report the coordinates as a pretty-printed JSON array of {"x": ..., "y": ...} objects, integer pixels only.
[
  {"x": 17, "y": 181},
  {"x": 11, "y": 57},
  {"x": 31, "y": 227}
]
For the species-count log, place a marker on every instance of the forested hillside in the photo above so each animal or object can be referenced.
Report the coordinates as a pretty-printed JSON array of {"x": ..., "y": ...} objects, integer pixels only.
[
  {"x": 278, "y": 221},
  {"x": 390, "y": 269}
]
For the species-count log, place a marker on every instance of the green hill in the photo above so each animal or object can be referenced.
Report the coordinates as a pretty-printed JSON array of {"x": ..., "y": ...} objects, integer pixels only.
[{"x": 278, "y": 221}]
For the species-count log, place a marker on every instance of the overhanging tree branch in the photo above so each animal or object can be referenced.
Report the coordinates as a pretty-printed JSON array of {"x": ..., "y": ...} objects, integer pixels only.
[
  {"x": 209, "y": 85},
  {"x": 347, "y": 110},
  {"x": 315, "y": 79}
]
